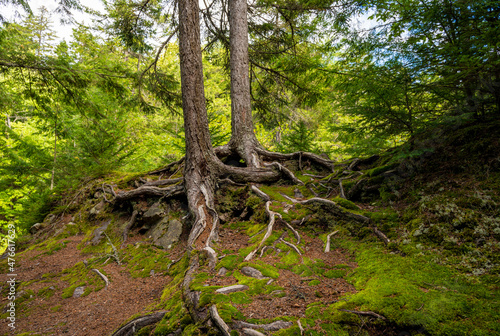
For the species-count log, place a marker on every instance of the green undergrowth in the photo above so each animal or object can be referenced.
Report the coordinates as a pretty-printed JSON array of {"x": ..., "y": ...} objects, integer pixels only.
[
  {"x": 143, "y": 258},
  {"x": 82, "y": 275},
  {"x": 415, "y": 291}
]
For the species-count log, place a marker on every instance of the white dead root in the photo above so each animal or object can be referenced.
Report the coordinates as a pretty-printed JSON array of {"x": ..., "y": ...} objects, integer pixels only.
[
  {"x": 272, "y": 220},
  {"x": 327, "y": 246}
]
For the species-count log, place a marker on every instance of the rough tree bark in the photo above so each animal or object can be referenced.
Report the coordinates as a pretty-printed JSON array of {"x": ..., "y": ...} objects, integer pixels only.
[
  {"x": 243, "y": 140},
  {"x": 200, "y": 172}
]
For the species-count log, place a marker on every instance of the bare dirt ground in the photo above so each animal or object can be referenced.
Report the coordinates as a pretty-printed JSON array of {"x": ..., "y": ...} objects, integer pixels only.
[{"x": 97, "y": 314}]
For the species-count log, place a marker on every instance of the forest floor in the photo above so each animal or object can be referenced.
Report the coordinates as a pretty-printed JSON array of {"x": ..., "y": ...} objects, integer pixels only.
[{"x": 436, "y": 273}]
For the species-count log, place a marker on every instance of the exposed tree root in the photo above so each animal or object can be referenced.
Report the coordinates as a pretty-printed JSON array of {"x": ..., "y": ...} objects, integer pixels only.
[
  {"x": 164, "y": 182},
  {"x": 292, "y": 246},
  {"x": 103, "y": 277},
  {"x": 331, "y": 205},
  {"x": 128, "y": 226},
  {"x": 136, "y": 324},
  {"x": 260, "y": 193},
  {"x": 252, "y": 332},
  {"x": 212, "y": 257},
  {"x": 381, "y": 235},
  {"x": 287, "y": 172},
  {"x": 272, "y": 218},
  {"x": 297, "y": 155},
  {"x": 219, "y": 322},
  {"x": 275, "y": 326},
  {"x": 295, "y": 232},
  {"x": 192, "y": 298},
  {"x": 327, "y": 246},
  {"x": 342, "y": 194},
  {"x": 364, "y": 313},
  {"x": 149, "y": 191}
]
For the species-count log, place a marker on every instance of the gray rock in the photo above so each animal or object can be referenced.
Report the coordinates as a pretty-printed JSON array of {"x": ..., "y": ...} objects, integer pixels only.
[
  {"x": 97, "y": 208},
  {"x": 297, "y": 193},
  {"x": 252, "y": 272},
  {"x": 98, "y": 232},
  {"x": 231, "y": 289},
  {"x": 172, "y": 235},
  {"x": 154, "y": 214},
  {"x": 222, "y": 271},
  {"x": 36, "y": 227},
  {"x": 78, "y": 291}
]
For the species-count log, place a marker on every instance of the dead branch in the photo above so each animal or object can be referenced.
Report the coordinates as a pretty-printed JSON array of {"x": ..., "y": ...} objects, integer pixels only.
[
  {"x": 327, "y": 246},
  {"x": 136, "y": 324},
  {"x": 331, "y": 205},
  {"x": 115, "y": 254},
  {"x": 272, "y": 217},
  {"x": 364, "y": 313},
  {"x": 219, "y": 322},
  {"x": 103, "y": 277},
  {"x": 150, "y": 191},
  {"x": 127, "y": 228}
]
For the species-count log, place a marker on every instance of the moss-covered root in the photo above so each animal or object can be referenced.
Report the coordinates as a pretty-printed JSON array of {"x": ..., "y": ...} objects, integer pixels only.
[
  {"x": 200, "y": 315},
  {"x": 140, "y": 322}
]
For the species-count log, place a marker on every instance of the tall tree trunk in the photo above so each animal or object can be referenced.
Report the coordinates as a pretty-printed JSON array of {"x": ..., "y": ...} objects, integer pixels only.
[
  {"x": 243, "y": 139},
  {"x": 201, "y": 163},
  {"x": 55, "y": 157}
]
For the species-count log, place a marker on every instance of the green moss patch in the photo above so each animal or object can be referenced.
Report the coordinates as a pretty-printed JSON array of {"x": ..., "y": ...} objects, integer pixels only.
[{"x": 415, "y": 291}]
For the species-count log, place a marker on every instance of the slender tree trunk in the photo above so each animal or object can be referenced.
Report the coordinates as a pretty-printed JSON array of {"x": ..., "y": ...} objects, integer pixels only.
[
  {"x": 55, "y": 157},
  {"x": 201, "y": 163},
  {"x": 243, "y": 139}
]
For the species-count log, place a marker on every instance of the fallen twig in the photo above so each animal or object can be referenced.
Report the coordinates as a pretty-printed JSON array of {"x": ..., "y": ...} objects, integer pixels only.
[
  {"x": 103, "y": 277},
  {"x": 115, "y": 254},
  {"x": 300, "y": 327}
]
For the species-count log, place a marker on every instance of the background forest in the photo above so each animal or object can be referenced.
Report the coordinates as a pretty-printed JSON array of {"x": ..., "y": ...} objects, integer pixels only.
[{"x": 108, "y": 99}]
